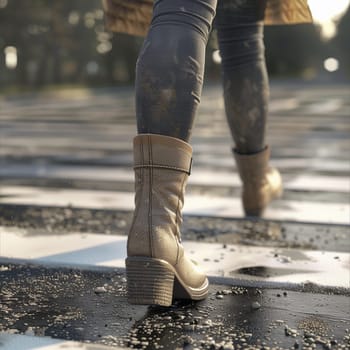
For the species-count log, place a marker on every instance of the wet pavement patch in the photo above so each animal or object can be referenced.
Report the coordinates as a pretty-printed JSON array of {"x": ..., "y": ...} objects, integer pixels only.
[
  {"x": 264, "y": 271},
  {"x": 91, "y": 306}
]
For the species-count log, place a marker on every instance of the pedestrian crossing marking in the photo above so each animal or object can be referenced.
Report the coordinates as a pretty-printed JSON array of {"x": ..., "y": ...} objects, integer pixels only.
[
  {"x": 28, "y": 342},
  {"x": 87, "y": 249},
  {"x": 199, "y": 176},
  {"x": 199, "y": 205}
]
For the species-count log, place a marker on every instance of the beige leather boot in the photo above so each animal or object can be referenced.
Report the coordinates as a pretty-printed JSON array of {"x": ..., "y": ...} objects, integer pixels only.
[
  {"x": 261, "y": 183},
  {"x": 157, "y": 268}
]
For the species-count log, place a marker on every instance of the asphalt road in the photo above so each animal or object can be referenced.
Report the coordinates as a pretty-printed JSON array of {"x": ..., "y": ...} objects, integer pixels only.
[{"x": 65, "y": 170}]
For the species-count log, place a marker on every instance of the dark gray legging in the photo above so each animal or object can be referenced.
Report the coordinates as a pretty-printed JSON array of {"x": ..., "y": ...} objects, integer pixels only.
[{"x": 170, "y": 67}]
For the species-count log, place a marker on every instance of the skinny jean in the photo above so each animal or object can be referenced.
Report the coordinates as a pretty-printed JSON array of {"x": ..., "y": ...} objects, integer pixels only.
[{"x": 170, "y": 68}]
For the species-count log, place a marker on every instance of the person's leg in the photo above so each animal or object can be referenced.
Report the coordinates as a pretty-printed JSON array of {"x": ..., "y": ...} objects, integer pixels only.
[
  {"x": 169, "y": 73},
  {"x": 246, "y": 88},
  {"x": 168, "y": 88},
  {"x": 246, "y": 92}
]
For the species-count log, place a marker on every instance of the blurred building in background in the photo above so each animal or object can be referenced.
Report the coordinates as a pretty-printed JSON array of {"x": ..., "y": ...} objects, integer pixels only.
[{"x": 55, "y": 42}]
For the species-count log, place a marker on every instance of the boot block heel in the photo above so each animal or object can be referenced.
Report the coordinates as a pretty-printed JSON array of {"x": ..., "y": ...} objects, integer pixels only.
[{"x": 149, "y": 281}]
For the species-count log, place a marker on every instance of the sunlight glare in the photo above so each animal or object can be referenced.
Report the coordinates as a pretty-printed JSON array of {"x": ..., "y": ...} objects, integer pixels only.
[
  {"x": 327, "y": 9},
  {"x": 331, "y": 64},
  {"x": 10, "y": 57},
  {"x": 216, "y": 57},
  {"x": 326, "y": 12}
]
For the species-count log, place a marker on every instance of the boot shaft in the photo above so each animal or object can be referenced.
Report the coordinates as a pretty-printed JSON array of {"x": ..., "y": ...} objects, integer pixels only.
[
  {"x": 261, "y": 183},
  {"x": 252, "y": 167},
  {"x": 162, "y": 165}
]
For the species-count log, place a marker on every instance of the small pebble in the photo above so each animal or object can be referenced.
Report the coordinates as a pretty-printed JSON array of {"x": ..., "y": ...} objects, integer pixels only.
[
  {"x": 285, "y": 259},
  {"x": 228, "y": 346},
  {"x": 100, "y": 290},
  {"x": 256, "y": 305}
]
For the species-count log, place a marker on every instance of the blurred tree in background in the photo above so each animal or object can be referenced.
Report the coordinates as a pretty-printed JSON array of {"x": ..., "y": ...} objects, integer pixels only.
[
  {"x": 62, "y": 42},
  {"x": 294, "y": 50},
  {"x": 341, "y": 42},
  {"x": 50, "y": 42}
]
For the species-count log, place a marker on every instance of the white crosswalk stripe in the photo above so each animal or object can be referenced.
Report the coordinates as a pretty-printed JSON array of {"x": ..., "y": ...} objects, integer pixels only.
[
  {"x": 199, "y": 205},
  {"x": 87, "y": 249},
  {"x": 30, "y": 342}
]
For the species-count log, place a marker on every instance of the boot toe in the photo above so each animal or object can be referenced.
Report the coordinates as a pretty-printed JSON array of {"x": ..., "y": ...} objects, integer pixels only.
[
  {"x": 190, "y": 281},
  {"x": 274, "y": 180},
  {"x": 257, "y": 198}
]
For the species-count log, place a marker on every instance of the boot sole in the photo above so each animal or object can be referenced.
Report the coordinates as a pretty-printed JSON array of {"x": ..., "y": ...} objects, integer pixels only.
[{"x": 153, "y": 281}]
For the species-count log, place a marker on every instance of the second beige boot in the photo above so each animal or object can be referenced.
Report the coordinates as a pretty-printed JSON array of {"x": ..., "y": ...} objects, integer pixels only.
[
  {"x": 261, "y": 183},
  {"x": 157, "y": 268}
]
